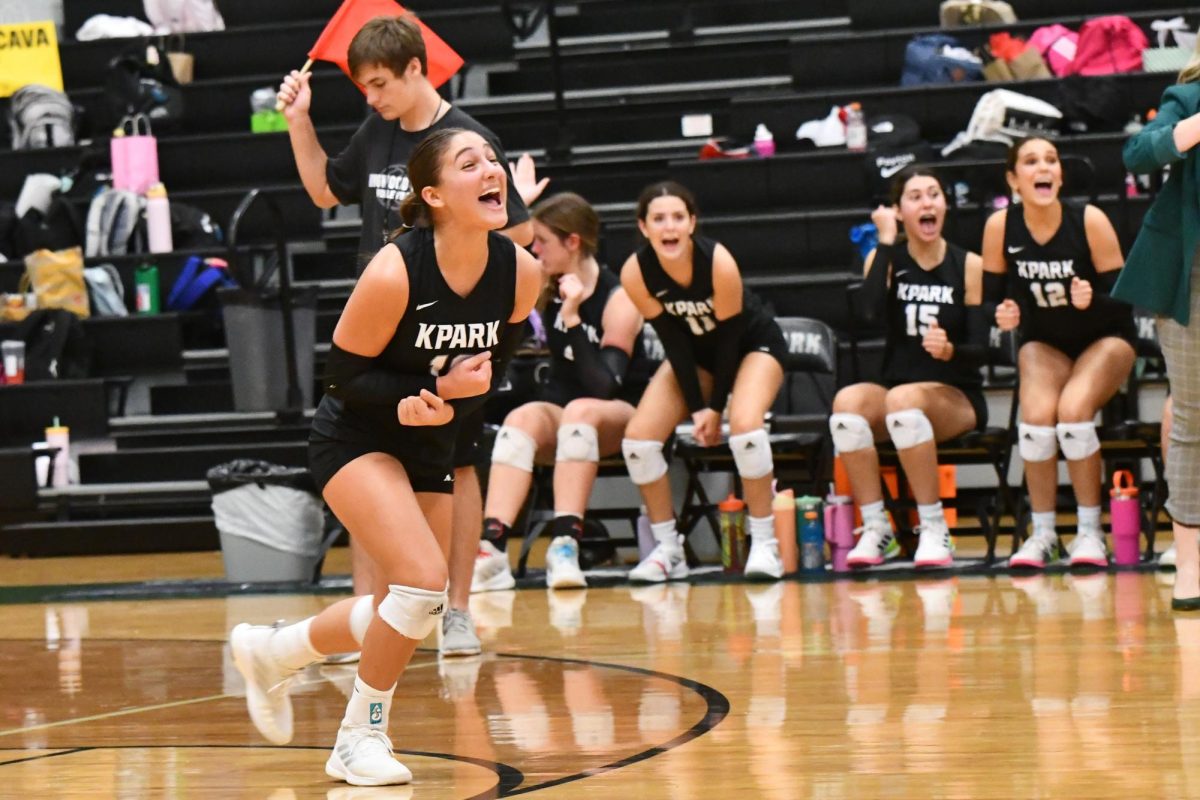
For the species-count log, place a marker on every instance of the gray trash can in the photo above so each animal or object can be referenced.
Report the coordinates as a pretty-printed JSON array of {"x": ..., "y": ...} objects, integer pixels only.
[
  {"x": 270, "y": 519},
  {"x": 254, "y": 336}
]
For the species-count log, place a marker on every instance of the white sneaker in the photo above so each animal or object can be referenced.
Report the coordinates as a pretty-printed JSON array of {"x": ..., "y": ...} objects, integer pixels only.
[
  {"x": 362, "y": 756},
  {"x": 267, "y": 682},
  {"x": 1167, "y": 557},
  {"x": 665, "y": 563},
  {"x": 876, "y": 544},
  {"x": 935, "y": 546},
  {"x": 764, "y": 560},
  {"x": 1088, "y": 549},
  {"x": 492, "y": 572},
  {"x": 1037, "y": 551},
  {"x": 562, "y": 564},
  {"x": 458, "y": 634}
]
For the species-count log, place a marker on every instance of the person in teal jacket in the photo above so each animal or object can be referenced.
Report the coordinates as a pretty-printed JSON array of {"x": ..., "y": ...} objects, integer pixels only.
[{"x": 1161, "y": 276}]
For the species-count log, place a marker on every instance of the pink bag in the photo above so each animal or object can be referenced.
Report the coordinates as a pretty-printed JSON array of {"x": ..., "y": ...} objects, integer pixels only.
[
  {"x": 134, "y": 155},
  {"x": 1057, "y": 44},
  {"x": 1109, "y": 45}
]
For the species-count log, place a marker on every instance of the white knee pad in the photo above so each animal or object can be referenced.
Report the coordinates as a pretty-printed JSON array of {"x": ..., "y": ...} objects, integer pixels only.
[
  {"x": 909, "y": 428},
  {"x": 360, "y": 617},
  {"x": 413, "y": 613},
  {"x": 1036, "y": 442},
  {"x": 577, "y": 441},
  {"x": 644, "y": 460},
  {"x": 752, "y": 453},
  {"x": 850, "y": 432},
  {"x": 514, "y": 447},
  {"x": 1077, "y": 440}
]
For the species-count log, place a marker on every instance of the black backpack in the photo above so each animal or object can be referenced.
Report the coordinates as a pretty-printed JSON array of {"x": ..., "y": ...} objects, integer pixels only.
[
  {"x": 55, "y": 345},
  {"x": 140, "y": 81}
]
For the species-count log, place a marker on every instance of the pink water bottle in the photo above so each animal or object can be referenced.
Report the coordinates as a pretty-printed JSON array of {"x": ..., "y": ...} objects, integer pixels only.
[
  {"x": 1123, "y": 511},
  {"x": 839, "y": 529}
]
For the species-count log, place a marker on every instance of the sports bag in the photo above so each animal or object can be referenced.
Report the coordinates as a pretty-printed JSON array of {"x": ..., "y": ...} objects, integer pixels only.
[
  {"x": 1109, "y": 45},
  {"x": 1002, "y": 115},
  {"x": 937, "y": 58},
  {"x": 1057, "y": 44}
]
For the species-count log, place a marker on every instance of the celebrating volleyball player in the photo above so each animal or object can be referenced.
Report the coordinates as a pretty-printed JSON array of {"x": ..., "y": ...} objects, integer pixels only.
[
  {"x": 412, "y": 353},
  {"x": 718, "y": 339},
  {"x": 928, "y": 292},
  {"x": 1051, "y": 266}
]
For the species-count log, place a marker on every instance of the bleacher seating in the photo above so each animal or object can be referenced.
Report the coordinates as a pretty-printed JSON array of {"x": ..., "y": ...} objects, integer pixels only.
[{"x": 631, "y": 70}]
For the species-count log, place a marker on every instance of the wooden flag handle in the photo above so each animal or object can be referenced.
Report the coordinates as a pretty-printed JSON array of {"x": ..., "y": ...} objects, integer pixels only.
[{"x": 279, "y": 106}]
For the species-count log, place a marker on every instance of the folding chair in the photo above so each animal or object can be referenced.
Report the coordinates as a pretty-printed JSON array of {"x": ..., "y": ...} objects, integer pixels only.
[{"x": 798, "y": 432}]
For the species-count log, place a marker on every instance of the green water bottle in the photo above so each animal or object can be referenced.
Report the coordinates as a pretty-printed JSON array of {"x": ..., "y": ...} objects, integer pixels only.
[{"x": 145, "y": 279}]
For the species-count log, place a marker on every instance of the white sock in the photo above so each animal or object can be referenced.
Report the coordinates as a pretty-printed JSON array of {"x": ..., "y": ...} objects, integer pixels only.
[
  {"x": 1043, "y": 524},
  {"x": 1089, "y": 517},
  {"x": 368, "y": 706},
  {"x": 931, "y": 514},
  {"x": 762, "y": 527},
  {"x": 874, "y": 512},
  {"x": 292, "y": 648},
  {"x": 665, "y": 533}
]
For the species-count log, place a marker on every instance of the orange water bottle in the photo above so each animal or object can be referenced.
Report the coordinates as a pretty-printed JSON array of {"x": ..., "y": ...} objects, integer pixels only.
[{"x": 732, "y": 519}]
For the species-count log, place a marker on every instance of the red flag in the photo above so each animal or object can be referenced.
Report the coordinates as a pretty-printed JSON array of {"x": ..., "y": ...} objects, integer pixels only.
[{"x": 334, "y": 42}]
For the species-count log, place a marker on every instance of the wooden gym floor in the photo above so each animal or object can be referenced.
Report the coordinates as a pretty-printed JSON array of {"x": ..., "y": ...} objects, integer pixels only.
[{"x": 964, "y": 687}]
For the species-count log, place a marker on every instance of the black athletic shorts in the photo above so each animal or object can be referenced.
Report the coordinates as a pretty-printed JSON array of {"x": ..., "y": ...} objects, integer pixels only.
[
  {"x": 1073, "y": 344},
  {"x": 327, "y": 456},
  {"x": 763, "y": 336}
]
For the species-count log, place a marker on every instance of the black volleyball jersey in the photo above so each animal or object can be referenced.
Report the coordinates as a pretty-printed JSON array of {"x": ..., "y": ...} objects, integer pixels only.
[
  {"x": 1040, "y": 280},
  {"x": 563, "y": 385},
  {"x": 916, "y": 299},
  {"x": 693, "y": 304},
  {"x": 438, "y": 326}
]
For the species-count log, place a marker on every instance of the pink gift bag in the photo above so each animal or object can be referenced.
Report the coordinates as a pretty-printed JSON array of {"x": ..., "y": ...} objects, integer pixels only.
[{"x": 134, "y": 153}]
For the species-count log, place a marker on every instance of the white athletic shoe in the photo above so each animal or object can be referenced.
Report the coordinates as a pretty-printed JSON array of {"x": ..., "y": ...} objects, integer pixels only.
[
  {"x": 764, "y": 560},
  {"x": 562, "y": 564},
  {"x": 1167, "y": 557},
  {"x": 492, "y": 573},
  {"x": 665, "y": 563},
  {"x": 362, "y": 756},
  {"x": 267, "y": 682},
  {"x": 458, "y": 634},
  {"x": 935, "y": 546},
  {"x": 1088, "y": 549},
  {"x": 876, "y": 544},
  {"x": 1036, "y": 552}
]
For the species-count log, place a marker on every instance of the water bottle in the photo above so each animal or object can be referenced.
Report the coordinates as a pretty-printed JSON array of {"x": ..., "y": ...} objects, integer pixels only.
[
  {"x": 1126, "y": 521},
  {"x": 856, "y": 128},
  {"x": 158, "y": 219},
  {"x": 764, "y": 141},
  {"x": 811, "y": 533},
  {"x": 839, "y": 529},
  {"x": 145, "y": 279},
  {"x": 732, "y": 519},
  {"x": 783, "y": 508}
]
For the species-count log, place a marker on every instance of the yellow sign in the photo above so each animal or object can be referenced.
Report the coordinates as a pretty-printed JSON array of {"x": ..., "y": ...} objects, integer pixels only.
[{"x": 29, "y": 54}]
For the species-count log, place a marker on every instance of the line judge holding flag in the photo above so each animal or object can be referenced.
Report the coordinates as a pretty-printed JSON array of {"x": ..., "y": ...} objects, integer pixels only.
[{"x": 398, "y": 62}]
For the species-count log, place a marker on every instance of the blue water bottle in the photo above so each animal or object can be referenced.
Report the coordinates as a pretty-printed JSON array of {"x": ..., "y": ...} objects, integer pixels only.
[{"x": 812, "y": 542}]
